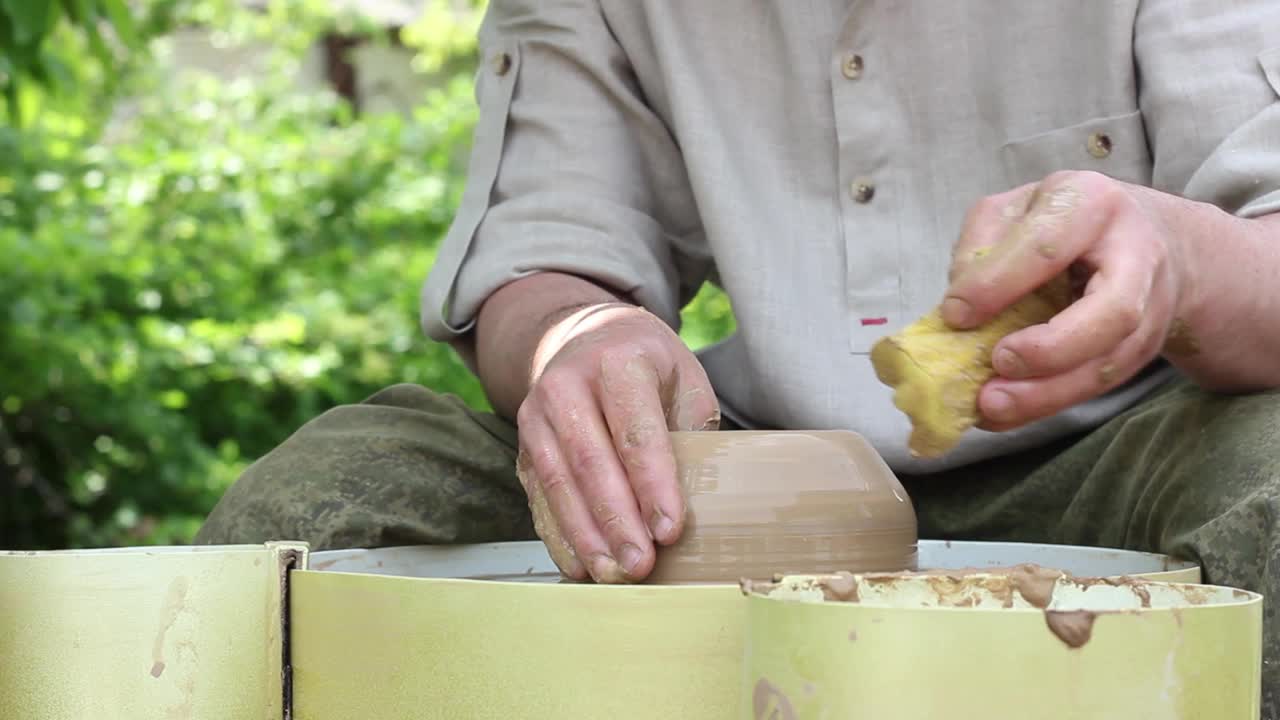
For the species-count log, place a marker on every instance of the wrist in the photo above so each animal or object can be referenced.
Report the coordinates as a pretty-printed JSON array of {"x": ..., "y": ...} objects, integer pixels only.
[
  {"x": 1193, "y": 230},
  {"x": 1224, "y": 327},
  {"x": 511, "y": 327},
  {"x": 562, "y": 326}
]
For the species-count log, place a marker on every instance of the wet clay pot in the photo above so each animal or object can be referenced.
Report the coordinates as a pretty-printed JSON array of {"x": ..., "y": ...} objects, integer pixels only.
[{"x": 762, "y": 503}]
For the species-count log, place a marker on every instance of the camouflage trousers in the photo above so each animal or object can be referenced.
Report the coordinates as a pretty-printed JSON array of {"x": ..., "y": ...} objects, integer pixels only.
[{"x": 1186, "y": 473}]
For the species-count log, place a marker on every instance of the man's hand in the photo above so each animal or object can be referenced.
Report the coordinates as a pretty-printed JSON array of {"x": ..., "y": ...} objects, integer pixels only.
[
  {"x": 608, "y": 382},
  {"x": 594, "y": 384},
  {"x": 1131, "y": 265}
]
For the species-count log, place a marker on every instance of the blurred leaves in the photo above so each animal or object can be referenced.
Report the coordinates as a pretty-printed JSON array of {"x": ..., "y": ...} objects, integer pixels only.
[
  {"x": 183, "y": 286},
  {"x": 442, "y": 33},
  {"x": 44, "y": 43}
]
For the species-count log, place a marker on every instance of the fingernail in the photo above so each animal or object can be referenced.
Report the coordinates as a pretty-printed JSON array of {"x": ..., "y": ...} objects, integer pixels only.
[
  {"x": 999, "y": 406},
  {"x": 684, "y": 411},
  {"x": 661, "y": 526},
  {"x": 1009, "y": 364},
  {"x": 604, "y": 569},
  {"x": 631, "y": 557},
  {"x": 956, "y": 312}
]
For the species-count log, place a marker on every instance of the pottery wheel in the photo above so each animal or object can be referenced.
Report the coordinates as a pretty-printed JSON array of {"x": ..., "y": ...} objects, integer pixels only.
[{"x": 528, "y": 561}]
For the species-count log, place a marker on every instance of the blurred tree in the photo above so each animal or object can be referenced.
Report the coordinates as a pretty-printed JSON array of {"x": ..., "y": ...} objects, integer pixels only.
[
  {"x": 42, "y": 43},
  {"x": 240, "y": 257}
]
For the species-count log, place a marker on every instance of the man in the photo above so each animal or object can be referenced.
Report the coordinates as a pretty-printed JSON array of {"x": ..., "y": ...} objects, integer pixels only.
[{"x": 824, "y": 161}]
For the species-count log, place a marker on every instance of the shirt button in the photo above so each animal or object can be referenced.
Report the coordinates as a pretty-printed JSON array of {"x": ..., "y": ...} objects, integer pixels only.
[
  {"x": 852, "y": 66},
  {"x": 1099, "y": 145},
  {"x": 502, "y": 63},
  {"x": 862, "y": 191}
]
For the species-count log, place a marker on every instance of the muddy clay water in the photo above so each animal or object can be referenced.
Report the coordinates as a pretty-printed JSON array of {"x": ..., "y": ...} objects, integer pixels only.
[
  {"x": 858, "y": 645},
  {"x": 1069, "y": 615},
  {"x": 764, "y": 503}
]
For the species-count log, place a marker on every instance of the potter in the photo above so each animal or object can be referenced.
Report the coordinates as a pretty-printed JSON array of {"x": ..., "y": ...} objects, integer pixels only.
[{"x": 834, "y": 167}]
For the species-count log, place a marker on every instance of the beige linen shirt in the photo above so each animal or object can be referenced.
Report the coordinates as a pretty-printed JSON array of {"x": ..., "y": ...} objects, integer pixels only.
[{"x": 815, "y": 158}]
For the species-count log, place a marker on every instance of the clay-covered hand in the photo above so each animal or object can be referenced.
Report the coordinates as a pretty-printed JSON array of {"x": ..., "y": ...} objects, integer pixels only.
[
  {"x": 595, "y": 457},
  {"x": 1127, "y": 263}
]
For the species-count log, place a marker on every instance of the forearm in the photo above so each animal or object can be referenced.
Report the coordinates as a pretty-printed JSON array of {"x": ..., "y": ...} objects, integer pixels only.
[
  {"x": 513, "y": 324},
  {"x": 1227, "y": 334}
]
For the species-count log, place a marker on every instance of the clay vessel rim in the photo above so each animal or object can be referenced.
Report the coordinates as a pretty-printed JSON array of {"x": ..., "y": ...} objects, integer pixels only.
[{"x": 1196, "y": 595}]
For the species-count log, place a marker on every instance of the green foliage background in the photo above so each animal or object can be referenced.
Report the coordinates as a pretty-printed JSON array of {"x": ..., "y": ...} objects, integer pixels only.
[{"x": 183, "y": 286}]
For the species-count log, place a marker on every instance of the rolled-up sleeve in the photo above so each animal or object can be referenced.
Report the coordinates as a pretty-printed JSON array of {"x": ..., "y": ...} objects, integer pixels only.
[
  {"x": 1209, "y": 75},
  {"x": 570, "y": 171}
]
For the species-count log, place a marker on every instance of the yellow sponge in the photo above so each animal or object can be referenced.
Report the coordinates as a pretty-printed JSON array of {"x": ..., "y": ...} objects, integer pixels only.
[{"x": 936, "y": 372}]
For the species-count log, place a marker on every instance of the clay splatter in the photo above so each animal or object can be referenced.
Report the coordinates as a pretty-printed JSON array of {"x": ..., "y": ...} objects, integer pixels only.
[
  {"x": 173, "y": 604},
  {"x": 1107, "y": 374},
  {"x": 842, "y": 587},
  {"x": 1138, "y": 588},
  {"x": 1035, "y": 583},
  {"x": 951, "y": 591},
  {"x": 770, "y": 704},
  {"x": 1196, "y": 595},
  {"x": 1072, "y": 627},
  {"x": 1180, "y": 342}
]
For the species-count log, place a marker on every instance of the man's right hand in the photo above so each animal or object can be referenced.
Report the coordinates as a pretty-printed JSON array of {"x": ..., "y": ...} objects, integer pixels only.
[{"x": 606, "y": 382}]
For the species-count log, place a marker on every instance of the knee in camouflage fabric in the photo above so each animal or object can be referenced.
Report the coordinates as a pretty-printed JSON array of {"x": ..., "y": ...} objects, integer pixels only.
[{"x": 406, "y": 466}]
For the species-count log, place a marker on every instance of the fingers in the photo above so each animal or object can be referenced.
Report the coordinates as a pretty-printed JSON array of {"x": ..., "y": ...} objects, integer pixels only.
[
  {"x": 692, "y": 401},
  {"x": 603, "y": 520},
  {"x": 577, "y": 524},
  {"x": 1066, "y": 214},
  {"x": 1005, "y": 404},
  {"x": 633, "y": 412},
  {"x": 544, "y": 521},
  {"x": 987, "y": 222},
  {"x": 1112, "y": 308},
  {"x": 539, "y": 467}
]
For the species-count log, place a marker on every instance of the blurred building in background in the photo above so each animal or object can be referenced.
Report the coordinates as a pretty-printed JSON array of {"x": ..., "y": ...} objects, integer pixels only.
[{"x": 374, "y": 77}]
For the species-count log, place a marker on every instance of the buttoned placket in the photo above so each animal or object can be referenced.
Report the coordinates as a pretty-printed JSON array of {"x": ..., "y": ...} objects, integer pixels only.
[{"x": 872, "y": 293}]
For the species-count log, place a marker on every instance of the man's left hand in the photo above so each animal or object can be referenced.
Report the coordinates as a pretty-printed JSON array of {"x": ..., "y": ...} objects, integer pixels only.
[{"x": 1129, "y": 268}]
